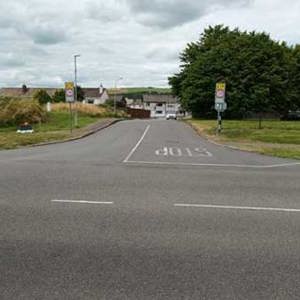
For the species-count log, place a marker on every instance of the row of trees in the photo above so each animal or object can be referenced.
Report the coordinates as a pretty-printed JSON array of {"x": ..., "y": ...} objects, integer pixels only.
[
  {"x": 262, "y": 75},
  {"x": 59, "y": 96}
]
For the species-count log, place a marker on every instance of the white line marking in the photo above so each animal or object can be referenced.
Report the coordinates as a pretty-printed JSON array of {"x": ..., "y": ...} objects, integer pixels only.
[
  {"x": 82, "y": 202},
  {"x": 238, "y": 207},
  {"x": 137, "y": 145},
  {"x": 213, "y": 165}
]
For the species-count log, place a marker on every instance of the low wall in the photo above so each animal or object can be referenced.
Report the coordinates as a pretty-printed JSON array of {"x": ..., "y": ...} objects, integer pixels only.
[{"x": 139, "y": 113}]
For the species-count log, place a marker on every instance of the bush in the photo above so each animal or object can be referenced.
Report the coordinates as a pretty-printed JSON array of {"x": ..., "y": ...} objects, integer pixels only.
[
  {"x": 16, "y": 111},
  {"x": 42, "y": 97},
  {"x": 59, "y": 96},
  {"x": 121, "y": 103}
]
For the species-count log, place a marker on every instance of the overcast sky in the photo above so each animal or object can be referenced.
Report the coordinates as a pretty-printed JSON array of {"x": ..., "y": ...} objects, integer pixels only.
[{"x": 139, "y": 40}]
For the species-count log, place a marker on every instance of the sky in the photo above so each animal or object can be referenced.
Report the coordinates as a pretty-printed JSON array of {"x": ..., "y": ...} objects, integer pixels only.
[{"x": 136, "y": 40}]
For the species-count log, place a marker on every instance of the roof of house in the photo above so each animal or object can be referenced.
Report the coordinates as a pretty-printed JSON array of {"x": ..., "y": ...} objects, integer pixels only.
[
  {"x": 19, "y": 92},
  {"x": 160, "y": 98},
  {"x": 93, "y": 92}
]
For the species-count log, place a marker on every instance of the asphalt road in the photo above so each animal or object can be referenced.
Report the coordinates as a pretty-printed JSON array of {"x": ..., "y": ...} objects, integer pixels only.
[{"x": 163, "y": 215}]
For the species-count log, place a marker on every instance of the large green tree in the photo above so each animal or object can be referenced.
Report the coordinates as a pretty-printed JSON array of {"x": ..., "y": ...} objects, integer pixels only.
[
  {"x": 256, "y": 69},
  {"x": 294, "y": 84}
]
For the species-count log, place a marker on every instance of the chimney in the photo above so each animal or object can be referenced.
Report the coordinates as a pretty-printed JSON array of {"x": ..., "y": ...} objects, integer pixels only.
[{"x": 101, "y": 89}]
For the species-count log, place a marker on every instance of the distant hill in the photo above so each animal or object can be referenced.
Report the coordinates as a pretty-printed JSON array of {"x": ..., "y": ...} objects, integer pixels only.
[{"x": 141, "y": 90}]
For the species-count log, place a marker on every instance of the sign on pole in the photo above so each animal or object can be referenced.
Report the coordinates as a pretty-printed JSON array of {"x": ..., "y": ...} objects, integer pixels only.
[
  {"x": 220, "y": 92},
  {"x": 220, "y": 104},
  {"x": 69, "y": 95},
  {"x": 69, "y": 91}
]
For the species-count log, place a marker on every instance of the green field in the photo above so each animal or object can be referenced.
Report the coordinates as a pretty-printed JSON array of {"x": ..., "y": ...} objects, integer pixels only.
[
  {"x": 278, "y": 138},
  {"x": 141, "y": 90},
  {"x": 57, "y": 127}
]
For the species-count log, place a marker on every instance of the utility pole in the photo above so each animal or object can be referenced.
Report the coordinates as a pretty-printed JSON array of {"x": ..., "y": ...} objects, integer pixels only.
[
  {"x": 75, "y": 90},
  {"x": 115, "y": 95}
]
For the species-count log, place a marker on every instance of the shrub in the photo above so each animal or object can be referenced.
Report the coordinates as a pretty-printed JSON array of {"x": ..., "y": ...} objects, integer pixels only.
[
  {"x": 16, "y": 111},
  {"x": 59, "y": 96},
  {"x": 120, "y": 103},
  {"x": 42, "y": 97}
]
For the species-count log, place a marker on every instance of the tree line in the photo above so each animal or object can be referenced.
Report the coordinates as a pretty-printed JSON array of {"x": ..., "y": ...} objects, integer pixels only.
[{"x": 261, "y": 74}]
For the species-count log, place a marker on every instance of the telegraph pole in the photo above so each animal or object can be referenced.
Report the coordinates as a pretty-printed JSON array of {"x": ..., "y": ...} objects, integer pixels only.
[
  {"x": 115, "y": 95},
  {"x": 75, "y": 89}
]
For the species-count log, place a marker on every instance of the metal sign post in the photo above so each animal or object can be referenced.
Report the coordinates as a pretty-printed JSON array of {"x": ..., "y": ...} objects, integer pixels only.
[
  {"x": 69, "y": 94},
  {"x": 220, "y": 104}
]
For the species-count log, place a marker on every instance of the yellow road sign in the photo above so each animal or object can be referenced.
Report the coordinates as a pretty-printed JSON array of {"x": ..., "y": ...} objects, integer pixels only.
[
  {"x": 69, "y": 91},
  {"x": 69, "y": 85},
  {"x": 221, "y": 86}
]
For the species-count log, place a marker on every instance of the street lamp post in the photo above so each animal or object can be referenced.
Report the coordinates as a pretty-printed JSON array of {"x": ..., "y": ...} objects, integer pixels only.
[
  {"x": 115, "y": 96},
  {"x": 75, "y": 83}
]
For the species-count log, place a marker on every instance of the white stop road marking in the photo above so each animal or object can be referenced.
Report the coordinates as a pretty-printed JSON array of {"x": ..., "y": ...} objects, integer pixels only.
[{"x": 185, "y": 152}]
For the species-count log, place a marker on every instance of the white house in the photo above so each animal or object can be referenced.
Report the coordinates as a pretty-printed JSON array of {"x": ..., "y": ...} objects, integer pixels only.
[
  {"x": 95, "y": 95},
  {"x": 161, "y": 104}
]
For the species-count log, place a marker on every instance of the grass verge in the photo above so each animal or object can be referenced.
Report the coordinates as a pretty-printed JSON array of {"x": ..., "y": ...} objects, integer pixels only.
[
  {"x": 277, "y": 138},
  {"x": 56, "y": 128}
]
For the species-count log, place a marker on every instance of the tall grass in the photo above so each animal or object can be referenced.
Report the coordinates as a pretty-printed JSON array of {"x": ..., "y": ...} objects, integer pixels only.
[
  {"x": 15, "y": 111},
  {"x": 87, "y": 110}
]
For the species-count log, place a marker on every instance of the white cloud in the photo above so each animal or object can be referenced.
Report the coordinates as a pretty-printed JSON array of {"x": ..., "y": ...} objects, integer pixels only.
[
  {"x": 172, "y": 13},
  {"x": 140, "y": 40}
]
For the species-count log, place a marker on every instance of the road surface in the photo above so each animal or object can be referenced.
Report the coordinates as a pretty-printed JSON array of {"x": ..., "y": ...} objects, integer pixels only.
[{"x": 148, "y": 210}]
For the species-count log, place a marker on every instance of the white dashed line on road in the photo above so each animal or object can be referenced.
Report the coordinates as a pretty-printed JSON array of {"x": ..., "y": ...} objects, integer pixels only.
[
  {"x": 82, "y": 202},
  {"x": 238, "y": 207}
]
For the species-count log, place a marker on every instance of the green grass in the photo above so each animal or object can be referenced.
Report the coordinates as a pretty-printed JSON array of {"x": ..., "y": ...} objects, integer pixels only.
[
  {"x": 279, "y": 138},
  {"x": 61, "y": 120},
  {"x": 57, "y": 127}
]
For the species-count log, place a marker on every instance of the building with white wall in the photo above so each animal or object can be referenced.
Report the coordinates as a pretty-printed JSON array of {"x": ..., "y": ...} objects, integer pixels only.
[{"x": 161, "y": 104}]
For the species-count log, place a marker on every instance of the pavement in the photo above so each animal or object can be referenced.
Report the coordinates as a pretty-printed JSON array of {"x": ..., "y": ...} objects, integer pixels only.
[{"x": 148, "y": 210}]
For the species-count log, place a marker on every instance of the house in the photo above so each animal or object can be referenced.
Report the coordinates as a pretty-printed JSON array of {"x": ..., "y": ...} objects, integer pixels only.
[
  {"x": 95, "y": 95},
  {"x": 161, "y": 104},
  {"x": 135, "y": 103},
  {"x": 91, "y": 95}
]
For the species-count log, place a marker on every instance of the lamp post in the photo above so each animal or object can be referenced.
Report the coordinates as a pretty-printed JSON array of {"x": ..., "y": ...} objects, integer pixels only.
[
  {"x": 75, "y": 83},
  {"x": 116, "y": 81}
]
